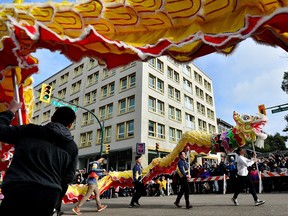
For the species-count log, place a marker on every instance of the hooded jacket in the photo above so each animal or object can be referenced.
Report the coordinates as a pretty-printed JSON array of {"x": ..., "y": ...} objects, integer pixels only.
[{"x": 45, "y": 155}]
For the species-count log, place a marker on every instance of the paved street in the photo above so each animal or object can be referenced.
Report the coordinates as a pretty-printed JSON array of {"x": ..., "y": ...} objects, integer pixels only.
[{"x": 204, "y": 205}]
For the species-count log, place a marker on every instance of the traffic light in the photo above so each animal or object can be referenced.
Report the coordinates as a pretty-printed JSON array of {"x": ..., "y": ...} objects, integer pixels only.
[
  {"x": 46, "y": 92},
  {"x": 157, "y": 147},
  {"x": 107, "y": 149},
  {"x": 262, "y": 109}
]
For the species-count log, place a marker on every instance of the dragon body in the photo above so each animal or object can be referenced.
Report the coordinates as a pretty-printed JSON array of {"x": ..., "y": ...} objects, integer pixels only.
[{"x": 248, "y": 129}]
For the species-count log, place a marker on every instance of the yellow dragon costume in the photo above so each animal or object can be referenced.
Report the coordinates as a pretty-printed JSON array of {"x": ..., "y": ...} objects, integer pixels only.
[{"x": 248, "y": 129}]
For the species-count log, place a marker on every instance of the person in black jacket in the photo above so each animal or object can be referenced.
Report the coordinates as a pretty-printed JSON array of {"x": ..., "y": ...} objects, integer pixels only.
[
  {"x": 45, "y": 158},
  {"x": 182, "y": 170},
  {"x": 138, "y": 184}
]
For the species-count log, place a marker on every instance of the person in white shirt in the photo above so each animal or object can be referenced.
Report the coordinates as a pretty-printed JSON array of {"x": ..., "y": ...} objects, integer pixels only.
[{"x": 243, "y": 178}]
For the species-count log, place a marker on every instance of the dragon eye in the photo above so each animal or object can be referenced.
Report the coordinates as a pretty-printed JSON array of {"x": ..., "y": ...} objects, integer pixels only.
[{"x": 245, "y": 117}]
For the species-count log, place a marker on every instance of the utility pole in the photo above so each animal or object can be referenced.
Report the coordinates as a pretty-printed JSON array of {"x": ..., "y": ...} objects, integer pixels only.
[{"x": 101, "y": 125}]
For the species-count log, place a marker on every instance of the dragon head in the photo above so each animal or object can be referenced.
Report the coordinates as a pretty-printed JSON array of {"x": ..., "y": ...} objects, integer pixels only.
[{"x": 249, "y": 129}]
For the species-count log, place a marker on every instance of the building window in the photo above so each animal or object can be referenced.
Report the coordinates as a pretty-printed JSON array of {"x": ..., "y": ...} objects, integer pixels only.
[
  {"x": 160, "y": 107},
  {"x": 207, "y": 85},
  {"x": 53, "y": 84},
  {"x": 92, "y": 63},
  {"x": 88, "y": 118},
  {"x": 75, "y": 101},
  {"x": 125, "y": 130},
  {"x": 152, "y": 81},
  {"x": 189, "y": 103},
  {"x": 174, "y": 113},
  {"x": 178, "y": 115},
  {"x": 174, "y": 93},
  {"x": 212, "y": 129},
  {"x": 108, "y": 73},
  {"x": 107, "y": 134},
  {"x": 174, "y": 134},
  {"x": 178, "y": 135},
  {"x": 159, "y": 65},
  {"x": 78, "y": 70},
  {"x": 92, "y": 79},
  {"x": 128, "y": 82},
  {"x": 160, "y": 85},
  {"x": 62, "y": 93},
  {"x": 64, "y": 78},
  {"x": 75, "y": 87},
  {"x": 160, "y": 131},
  {"x": 171, "y": 112},
  {"x": 152, "y": 104},
  {"x": 90, "y": 97},
  {"x": 38, "y": 106},
  {"x": 201, "y": 108},
  {"x": 106, "y": 112},
  {"x": 190, "y": 121},
  {"x": 187, "y": 85},
  {"x": 108, "y": 90},
  {"x": 187, "y": 70},
  {"x": 152, "y": 129},
  {"x": 152, "y": 62},
  {"x": 156, "y": 130},
  {"x": 173, "y": 75},
  {"x": 156, "y": 83},
  {"x": 126, "y": 105},
  {"x": 202, "y": 125},
  {"x": 209, "y": 99},
  {"x": 35, "y": 119},
  {"x": 198, "y": 78},
  {"x": 46, "y": 116},
  {"x": 199, "y": 92},
  {"x": 155, "y": 105},
  {"x": 86, "y": 139},
  {"x": 210, "y": 114}
]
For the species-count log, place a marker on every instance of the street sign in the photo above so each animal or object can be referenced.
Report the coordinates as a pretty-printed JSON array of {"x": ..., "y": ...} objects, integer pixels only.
[
  {"x": 61, "y": 104},
  {"x": 140, "y": 148},
  {"x": 279, "y": 109}
]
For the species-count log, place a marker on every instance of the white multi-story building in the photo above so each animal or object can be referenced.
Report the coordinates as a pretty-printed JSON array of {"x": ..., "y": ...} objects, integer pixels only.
[{"x": 151, "y": 102}]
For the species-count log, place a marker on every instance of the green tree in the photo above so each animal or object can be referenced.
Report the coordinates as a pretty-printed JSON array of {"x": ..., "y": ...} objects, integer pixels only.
[
  {"x": 273, "y": 143},
  {"x": 284, "y": 85}
]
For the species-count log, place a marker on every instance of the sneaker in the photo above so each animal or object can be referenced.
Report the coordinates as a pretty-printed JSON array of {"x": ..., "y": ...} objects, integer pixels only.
[
  {"x": 234, "y": 201},
  {"x": 101, "y": 208},
  {"x": 131, "y": 205},
  {"x": 259, "y": 202},
  {"x": 137, "y": 203},
  {"x": 189, "y": 206},
  {"x": 177, "y": 204},
  {"x": 76, "y": 210}
]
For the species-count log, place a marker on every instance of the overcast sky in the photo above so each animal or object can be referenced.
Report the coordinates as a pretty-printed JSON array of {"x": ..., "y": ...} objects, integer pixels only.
[{"x": 252, "y": 75}]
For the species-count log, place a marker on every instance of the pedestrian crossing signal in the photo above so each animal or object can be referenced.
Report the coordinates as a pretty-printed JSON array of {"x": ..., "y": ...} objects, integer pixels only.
[
  {"x": 46, "y": 92},
  {"x": 262, "y": 109}
]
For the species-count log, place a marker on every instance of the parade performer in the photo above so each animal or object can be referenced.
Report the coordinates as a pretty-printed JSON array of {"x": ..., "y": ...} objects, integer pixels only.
[
  {"x": 182, "y": 170},
  {"x": 243, "y": 178},
  {"x": 44, "y": 158},
  {"x": 138, "y": 184},
  {"x": 92, "y": 180}
]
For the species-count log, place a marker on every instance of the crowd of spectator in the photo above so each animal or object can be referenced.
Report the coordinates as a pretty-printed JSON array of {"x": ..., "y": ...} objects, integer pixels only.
[{"x": 227, "y": 166}]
